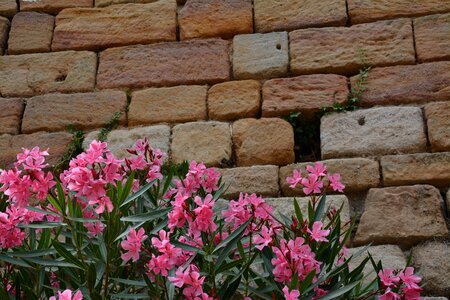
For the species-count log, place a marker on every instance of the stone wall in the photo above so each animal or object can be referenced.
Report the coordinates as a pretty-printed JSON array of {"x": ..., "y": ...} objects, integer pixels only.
[{"x": 208, "y": 80}]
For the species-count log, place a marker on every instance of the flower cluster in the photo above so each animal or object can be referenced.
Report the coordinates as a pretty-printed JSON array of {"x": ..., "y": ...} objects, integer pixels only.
[
  {"x": 67, "y": 295},
  {"x": 399, "y": 284}
]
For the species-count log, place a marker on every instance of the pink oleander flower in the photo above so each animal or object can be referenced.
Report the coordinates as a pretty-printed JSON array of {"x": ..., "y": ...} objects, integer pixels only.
[
  {"x": 317, "y": 234},
  {"x": 389, "y": 295},
  {"x": 318, "y": 169},
  {"x": 387, "y": 277},
  {"x": 295, "y": 179},
  {"x": 204, "y": 215},
  {"x": 411, "y": 294},
  {"x": 292, "y": 295},
  {"x": 191, "y": 281},
  {"x": 67, "y": 295},
  {"x": 335, "y": 182},
  {"x": 409, "y": 279},
  {"x": 312, "y": 184},
  {"x": 133, "y": 245},
  {"x": 264, "y": 238}
]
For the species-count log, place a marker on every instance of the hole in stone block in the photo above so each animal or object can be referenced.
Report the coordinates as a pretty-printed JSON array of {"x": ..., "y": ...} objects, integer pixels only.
[
  {"x": 278, "y": 46},
  {"x": 362, "y": 121},
  {"x": 61, "y": 78}
]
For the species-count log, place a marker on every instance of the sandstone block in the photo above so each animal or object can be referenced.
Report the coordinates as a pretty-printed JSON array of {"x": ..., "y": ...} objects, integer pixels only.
[
  {"x": 371, "y": 132},
  {"x": 190, "y": 62},
  {"x": 56, "y": 142},
  {"x": 407, "y": 84},
  {"x": 276, "y": 15},
  {"x": 40, "y": 73},
  {"x": 8, "y": 8},
  {"x": 433, "y": 262},
  {"x": 402, "y": 215},
  {"x": 116, "y": 25},
  {"x": 305, "y": 94},
  {"x": 234, "y": 99},
  {"x": 363, "y": 11},
  {"x": 121, "y": 139},
  {"x": 345, "y": 50},
  {"x": 103, "y": 3},
  {"x": 4, "y": 28},
  {"x": 30, "y": 32},
  {"x": 357, "y": 174},
  {"x": 263, "y": 141},
  {"x": 209, "y": 142},
  {"x": 258, "y": 56},
  {"x": 172, "y": 104},
  {"x": 214, "y": 18},
  {"x": 54, "y": 112},
  {"x": 429, "y": 168},
  {"x": 261, "y": 180},
  {"x": 51, "y": 6},
  {"x": 11, "y": 111},
  {"x": 438, "y": 124},
  {"x": 285, "y": 205},
  {"x": 431, "y": 36}
]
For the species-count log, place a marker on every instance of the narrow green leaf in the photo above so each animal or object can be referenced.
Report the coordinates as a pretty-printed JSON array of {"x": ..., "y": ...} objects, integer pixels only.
[
  {"x": 229, "y": 238},
  {"x": 320, "y": 208},
  {"x": 33, "y": 253},
  {"x": 67, "y": 255},
  {"x": 150, "y": 216},
  {"x": 42, "y": 225},
  {"x": 187, "y": 247},
  {"x": 130, "y": 282},
  {"x": 14, "y": 261},
  {"x": 139, "y": 193},
  {"x": 341, "y": 291}
]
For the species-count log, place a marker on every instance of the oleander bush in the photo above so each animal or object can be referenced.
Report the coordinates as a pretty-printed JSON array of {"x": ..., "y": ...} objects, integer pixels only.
[{"x": 140, "y": 228}]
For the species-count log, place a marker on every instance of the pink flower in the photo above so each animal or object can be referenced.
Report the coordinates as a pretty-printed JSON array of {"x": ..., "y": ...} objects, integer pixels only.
[
  {"x": 67, "y": 295},
  {"x": 133, "y": 244},
  {"x": 387, "y": 278},
  {"x": 264, "y": 238},
  {"x": 412, "y": 294},
  {"x": 292, "y": 295},
  {"x": 318, "y": 170},
  {"x": 409, "y": 279},
  {"x": 295, "y": 179},
  {"x": 389, "y": 295},
  {"x": 312, "y": 184},
  {"x": 335, "y": 182},
  {"x": 317, "y": 233}
]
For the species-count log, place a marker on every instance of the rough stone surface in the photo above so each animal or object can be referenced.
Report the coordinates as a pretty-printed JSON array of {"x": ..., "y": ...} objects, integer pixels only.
[
  {"x": 448, "y": 202},
  {"x": 209, "y": 142},
  {"x": 345, "y": 50},
  {"x": 56, "y": 142},
  {"x": 8, "y": 8},
  {"x": 391, "y": 256},
  {"x": 32, "y": 74},
  {"x": 211, "y": 18},
  {"x": 285, "y": 205},
  {"x": 276, "y": 15},
  {"x": 172, "y": 104},
  {"x": 258, "y": 56},
  {"x": 266, "y": 141},
  {"x": 429, "y": 168},
  {"x": 30, "y": 32},
  {"x": 433, "y": 262},
  {"x": 363, "y": 11},
  {"x": 52, "y": 6},
  {"x": 407, "y": 84},
  {"x": 306, "y": 94},
  {"x": 234, "y": 99},
  {"x": 10, "y": 115},
  {"x": 4, "y": 28},
  {"x": 116, "y": 25},
  {"x": 438, "y": 124},
  {"x": 402, "y": 215},
  {"x": 357, "y": 174},
  {"x": 54, "y": 112},
  {"x": 261, "y": 180},
  {"x": 190, "y": 62},
  {"x": 370, "y": 132},
  {"x": 431, "y": 36},
  {"x": 120, "y": 139},
  {"x": 103, "y": 3}
]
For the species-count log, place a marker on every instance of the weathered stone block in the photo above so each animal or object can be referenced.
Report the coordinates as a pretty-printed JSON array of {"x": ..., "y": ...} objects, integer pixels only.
[
  {"x": 371, "y": 132},
  {"x": 8, "y": 8},
  {"x": 51, "y": 6},
  {"x": 30, "y": 32},
  {"x": 429, "y": 168},
  {"x": 258, "y": 56},
  {"x": 402, "y": 215},
  {"x": 208, "y": 142},
  {"x": 10, "y": 115},
  {"x": 433, "y": 262},
  {"x": 234, "y": 99},
  {"x": 276, "y": 15},
  {"x": 261, "y": 180},
  {"x": 40, "y": 73},
  {"x": 116, "y": 25},
  {"x": 305, "y": 94},
  {"x": 357, "y": 174},
  {"x": 215, "y": 18},
  {"x": 438, "y": 124},
  {"x": 54, "y": 112},
  {"x": 172, "y": 104},
  {"x": 190, "y": 62},
  {"x": 363, "y": 11},
  {"x": 266, "y": 141},
  {"x": 103, "y": 3},
  {"x": 406, "y": 84},
  {"x": 345, "y": 50},
  {"x": 4, "y": 28},
  {"x": 431, "y": 37}
]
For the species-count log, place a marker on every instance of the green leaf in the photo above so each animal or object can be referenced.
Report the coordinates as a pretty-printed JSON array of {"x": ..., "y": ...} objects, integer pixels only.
[
  {"x": 150, "y": 216},
  {"x": 320, "y": 208},
  {"x": 227, "y": 249},
  {"x": 51, "y": 263},
  {"x": 130, "y": 296},
  {"x": 230, "y": 265},
  {"x": 341, "y": 291},
  {"x": 66, "y": 254},
  {"x": 126, "y": 189},
  {"x": 298, "y": 211},
  {"x": 33, "y": 253},
  {"x": 14, "y": 261},
  {"x": 130, "y": 282},
  {"x": 229, "y": 238},
  {"x": 139, "y": 193},
  {"x": 187, "y": 247},
  {"x": 42, "y": 225},
  {"x": 42, "y": 211}
]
